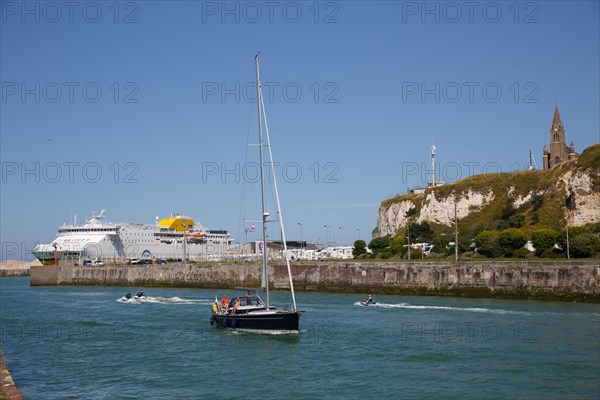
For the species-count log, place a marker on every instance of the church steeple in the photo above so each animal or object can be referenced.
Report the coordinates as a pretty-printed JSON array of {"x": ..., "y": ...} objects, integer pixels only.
[
  {"x": 557, "y": 131},
  {"x": 557, "y": 126},
  {"x": 556, "y": 120},
  {"x": 558, "y": 151}
]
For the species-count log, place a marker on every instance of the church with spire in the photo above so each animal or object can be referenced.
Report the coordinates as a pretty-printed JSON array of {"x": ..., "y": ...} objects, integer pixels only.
[{"x": 559, "y": 151}]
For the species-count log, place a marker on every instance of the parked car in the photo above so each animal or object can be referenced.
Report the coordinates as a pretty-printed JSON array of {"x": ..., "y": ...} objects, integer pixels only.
[
  {"x": 97, "y": 262},
  {"x": 87, "y": 261},
  {"x": 134, "y": 261},
  {"x": 161, "y": 261},
  {"x": 146, "y": 261}
]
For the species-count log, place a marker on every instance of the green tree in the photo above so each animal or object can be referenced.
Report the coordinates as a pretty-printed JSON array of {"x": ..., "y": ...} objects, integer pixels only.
[
  {"x": 379, "y": 244},
  {"x": 510, "y": 240},
  {"x": 464, "y": 245},
  {"x": 440, "y": 243},
  {"x": 516, "y": 221},
  {"x": 421, "y": 232},
  {"x": 584, "y": 245},
  {"x": 360, "y": 247},
  {"x": 543, "y": 239},
  {"x": 397, "y": 246},
  {"x": 507, "y": 211},
  {"x": 574, "y": 232},
  {"x": 487, "y": 244}
]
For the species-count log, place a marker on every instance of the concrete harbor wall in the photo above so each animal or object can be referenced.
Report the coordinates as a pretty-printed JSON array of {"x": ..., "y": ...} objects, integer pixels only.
[
  {"x": 559, "y": 280},
  {"x": 10, "y": 272}
]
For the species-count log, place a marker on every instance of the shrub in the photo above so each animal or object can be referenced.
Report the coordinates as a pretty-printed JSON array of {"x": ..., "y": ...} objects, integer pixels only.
[
  {"x": 422, "y": 232},
  {"x": 397, "y": 246},
  {"x": 440, "y": 243},
  {"x": 584, "y": 245},
  {"x": 516, "y": 221},
  {"x": 510, "y": 240},
  {"x": 543, "y": 239},
  {"x": 487, "y": 244},
  {"x": 415, "y": 254},
  {"x": 384, "y": 255},
  {"x": 360, "y": 248},
  {"x": 521, "y": 253},
  {"x": 535, "y": 218},
  {"x": 379, "y": 244},
  {"x": 551, "y": 253}
]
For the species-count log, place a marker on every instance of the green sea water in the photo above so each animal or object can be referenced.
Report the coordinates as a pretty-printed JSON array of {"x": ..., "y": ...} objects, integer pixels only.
[{"x": 82, "y": 342}]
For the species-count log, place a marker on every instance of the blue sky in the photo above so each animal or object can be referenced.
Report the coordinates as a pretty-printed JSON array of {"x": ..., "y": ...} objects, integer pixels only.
[{"x": 145, "y": 107}]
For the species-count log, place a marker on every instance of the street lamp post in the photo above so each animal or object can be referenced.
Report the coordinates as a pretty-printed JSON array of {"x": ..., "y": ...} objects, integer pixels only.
[
  {"x": 341, "y": 228},
  {"x": 408, "y": 237},
  {"x": 567, "y": 224},
  {"x": 326, "y": 235},
  {"x": 301, "y": 224},
  {"x": 358, "y": 229}
]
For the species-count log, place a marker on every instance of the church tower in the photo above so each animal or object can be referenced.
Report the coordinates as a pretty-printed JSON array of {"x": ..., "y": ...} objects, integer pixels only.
[{"x": 558, "y": 152}]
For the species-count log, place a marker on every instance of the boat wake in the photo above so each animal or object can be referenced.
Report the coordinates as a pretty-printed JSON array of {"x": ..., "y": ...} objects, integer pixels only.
[
  {"x": 445, "y": 308},
  {"x": 163, "y": 300}
]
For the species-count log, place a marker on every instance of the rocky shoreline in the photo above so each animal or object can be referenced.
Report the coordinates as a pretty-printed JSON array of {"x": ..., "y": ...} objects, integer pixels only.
[{"x": 8, "y": 389}]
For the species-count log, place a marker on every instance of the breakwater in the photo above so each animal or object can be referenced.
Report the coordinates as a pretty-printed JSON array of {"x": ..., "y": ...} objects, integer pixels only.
[
  {"x": 10, "y": 272},
  {"x": 557, "y": 280}
]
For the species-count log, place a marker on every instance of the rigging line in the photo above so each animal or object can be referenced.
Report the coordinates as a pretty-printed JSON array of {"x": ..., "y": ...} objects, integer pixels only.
[
  {"x": 244, "y": 210},
  {"x": 280, "y": 214}
]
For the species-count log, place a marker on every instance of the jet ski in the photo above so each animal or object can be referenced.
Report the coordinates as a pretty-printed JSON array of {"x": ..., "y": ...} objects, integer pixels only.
[
  {"x": 127, "y": 297},
  {"x": 368, "y": 302},
  {"x": 139, "y": 295}
]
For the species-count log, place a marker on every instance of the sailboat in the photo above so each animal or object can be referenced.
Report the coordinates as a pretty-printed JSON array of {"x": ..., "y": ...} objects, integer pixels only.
[{"x": 249, "y": 312}]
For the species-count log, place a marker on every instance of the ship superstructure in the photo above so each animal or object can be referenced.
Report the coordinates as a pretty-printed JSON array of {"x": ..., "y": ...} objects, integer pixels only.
[{"x": 175, "y": 238}]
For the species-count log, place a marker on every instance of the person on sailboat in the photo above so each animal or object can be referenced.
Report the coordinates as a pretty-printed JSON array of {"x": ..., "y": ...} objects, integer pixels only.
[
  {"x": 224, "y": 303},
  {"x": 236, "y": 305}
]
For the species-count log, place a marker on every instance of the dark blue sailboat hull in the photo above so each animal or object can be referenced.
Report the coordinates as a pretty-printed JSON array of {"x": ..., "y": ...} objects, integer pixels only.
[{"x": 279, "y": 321}]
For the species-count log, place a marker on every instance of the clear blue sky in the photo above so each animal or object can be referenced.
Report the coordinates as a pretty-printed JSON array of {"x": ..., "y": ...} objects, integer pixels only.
[{"x": 379, "y": 82}]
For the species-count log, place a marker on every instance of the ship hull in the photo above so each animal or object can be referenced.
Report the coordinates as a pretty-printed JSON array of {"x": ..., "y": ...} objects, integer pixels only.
[{"x": 280, "y": 321}]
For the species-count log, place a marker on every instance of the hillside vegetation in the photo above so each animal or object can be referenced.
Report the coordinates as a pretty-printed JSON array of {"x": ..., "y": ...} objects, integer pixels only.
[{"x": 529, "y": 201}]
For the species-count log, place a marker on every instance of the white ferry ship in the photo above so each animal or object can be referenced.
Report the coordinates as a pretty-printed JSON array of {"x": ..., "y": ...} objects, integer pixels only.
[{"x": 175, "y": 238}]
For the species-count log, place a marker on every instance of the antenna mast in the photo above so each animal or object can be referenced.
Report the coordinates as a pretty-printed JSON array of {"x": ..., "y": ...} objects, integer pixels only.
[{"x": 432, "y": 165}]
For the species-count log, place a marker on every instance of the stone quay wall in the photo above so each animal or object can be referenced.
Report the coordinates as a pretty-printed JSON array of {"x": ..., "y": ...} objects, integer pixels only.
[{"x": 556, "y": 280}]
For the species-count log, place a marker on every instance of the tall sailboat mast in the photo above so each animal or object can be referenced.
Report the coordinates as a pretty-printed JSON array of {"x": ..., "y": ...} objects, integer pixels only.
[{"x": 265, "y": 214}]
